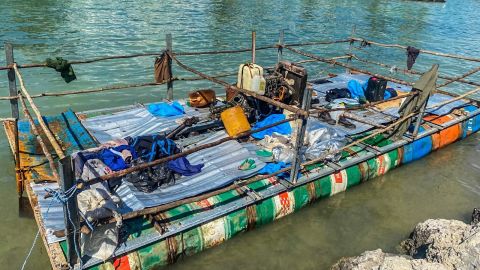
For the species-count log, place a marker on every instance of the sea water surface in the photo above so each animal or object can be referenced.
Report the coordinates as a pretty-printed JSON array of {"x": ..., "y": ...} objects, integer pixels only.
[{"x": 376, "y": 214}]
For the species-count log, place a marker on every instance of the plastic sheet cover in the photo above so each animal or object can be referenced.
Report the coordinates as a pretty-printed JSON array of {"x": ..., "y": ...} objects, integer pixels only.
[
  {"x": 134, "y": 122},
  {"x": 220, "y": 169},
  {"x": 322, "y": 141}
]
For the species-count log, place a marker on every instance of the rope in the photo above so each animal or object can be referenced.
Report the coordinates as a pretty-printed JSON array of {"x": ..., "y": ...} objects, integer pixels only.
[
  {"x": 63, "y": 198},
  {"x": 403, "y": 47},
  {"x": 112, "y": 57},
  {"x": 31, "y": 248},
  {"x": 56, "y": 195}
]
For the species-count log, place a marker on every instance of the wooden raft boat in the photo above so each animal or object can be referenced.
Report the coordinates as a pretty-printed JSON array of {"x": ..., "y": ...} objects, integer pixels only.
[{"x": 158, "y": 235}]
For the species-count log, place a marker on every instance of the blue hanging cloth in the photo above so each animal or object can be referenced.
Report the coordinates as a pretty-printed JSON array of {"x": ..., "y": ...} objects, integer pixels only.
[
  {"x": 164, "y": 109},
  {"x": 284, "y": 129},
  {"x": 182, "y": 166}
]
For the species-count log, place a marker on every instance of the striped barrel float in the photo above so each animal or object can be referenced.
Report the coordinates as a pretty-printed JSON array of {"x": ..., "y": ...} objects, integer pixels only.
[
  {"x": 417, "y": 149},
  {"x": 446, "y": 136},
  {"x": 472, "y": 125},
  {"x": 263, "y": 212}
]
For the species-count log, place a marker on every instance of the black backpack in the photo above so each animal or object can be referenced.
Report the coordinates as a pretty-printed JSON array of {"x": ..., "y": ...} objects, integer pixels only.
[{"x": 375, "y": 89}]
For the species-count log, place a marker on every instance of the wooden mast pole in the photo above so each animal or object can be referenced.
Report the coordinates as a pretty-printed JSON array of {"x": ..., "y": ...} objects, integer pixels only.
[{"x": 12, "y": 85}]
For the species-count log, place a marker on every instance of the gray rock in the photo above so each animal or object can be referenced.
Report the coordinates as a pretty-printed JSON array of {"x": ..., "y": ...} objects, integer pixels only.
[
  {"x": 378, "y": 260},
  {"x": 434, "y": 244}
]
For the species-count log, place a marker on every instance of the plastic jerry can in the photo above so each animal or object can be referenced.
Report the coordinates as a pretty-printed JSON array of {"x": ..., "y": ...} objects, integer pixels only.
[
  {"x": 250, "y": 77},
  {"x": 235, "y": 121}
]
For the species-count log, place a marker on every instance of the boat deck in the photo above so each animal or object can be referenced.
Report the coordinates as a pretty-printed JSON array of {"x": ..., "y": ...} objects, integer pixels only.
[{"x": 74, "y": 134}]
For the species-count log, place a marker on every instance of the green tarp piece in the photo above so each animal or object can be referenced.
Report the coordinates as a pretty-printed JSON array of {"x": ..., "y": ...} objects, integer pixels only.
[
  {"x": 424, "y": 87},
  {"x": 61, "y": 65}
]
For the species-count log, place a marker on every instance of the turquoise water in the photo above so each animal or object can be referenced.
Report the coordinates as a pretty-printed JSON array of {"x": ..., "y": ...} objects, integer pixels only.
[{"x": 377, "y": 214}]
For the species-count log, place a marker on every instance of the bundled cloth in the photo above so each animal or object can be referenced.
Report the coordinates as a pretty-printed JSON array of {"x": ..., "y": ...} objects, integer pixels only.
[
  {"x": 121, "y": 154},
  {"x": 61, "y": 65}
]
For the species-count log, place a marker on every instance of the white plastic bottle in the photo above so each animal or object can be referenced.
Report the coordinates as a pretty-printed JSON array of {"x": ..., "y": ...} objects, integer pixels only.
[{"x": 258, "y": 84}]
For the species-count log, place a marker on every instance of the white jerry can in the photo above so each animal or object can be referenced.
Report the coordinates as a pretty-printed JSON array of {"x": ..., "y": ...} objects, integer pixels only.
[{"x": 250, "y": 77}]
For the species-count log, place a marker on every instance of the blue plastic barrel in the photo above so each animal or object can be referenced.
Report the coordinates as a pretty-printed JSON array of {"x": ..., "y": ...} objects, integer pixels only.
[
  {"x": 471, "y": 125},
  {"x": 417, "y": 149}
]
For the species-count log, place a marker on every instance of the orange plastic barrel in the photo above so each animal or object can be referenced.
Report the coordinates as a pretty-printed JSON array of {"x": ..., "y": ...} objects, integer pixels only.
[
  {"x": 235, "y": 121},
  {"x": 445, "y": 136}
]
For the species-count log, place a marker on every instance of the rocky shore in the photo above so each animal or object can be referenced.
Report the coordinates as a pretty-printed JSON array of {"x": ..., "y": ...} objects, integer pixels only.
[{"x": 433, "y": 244}]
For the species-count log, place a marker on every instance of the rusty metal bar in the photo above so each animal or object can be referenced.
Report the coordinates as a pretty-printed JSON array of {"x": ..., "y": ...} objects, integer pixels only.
[
  {"x": 244, "y": 91},
  {"x": 457, "y": 79},
  {"x": 70, "y": 210},
  {"x": 168, "y": 40},
  {"x": 462, "y": 57},
  {"x": 43, "y": 125},
  {"x": 281, "y": 43},
  {"x": 300, "y": 129},
  {"x": 254, "y": 43},
  {"x": 112, "y": 57}
]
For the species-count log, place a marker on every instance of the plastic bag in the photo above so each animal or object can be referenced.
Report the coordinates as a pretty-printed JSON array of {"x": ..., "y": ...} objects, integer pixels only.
[{"x": 323, "y": 141}]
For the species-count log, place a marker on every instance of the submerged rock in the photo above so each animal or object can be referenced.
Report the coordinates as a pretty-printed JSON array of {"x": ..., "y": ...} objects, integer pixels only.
[{"x": 433, "y": 244}]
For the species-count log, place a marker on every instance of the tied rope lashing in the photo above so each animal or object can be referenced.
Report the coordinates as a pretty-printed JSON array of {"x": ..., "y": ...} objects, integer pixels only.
[
  {"x": 59, "y": 197},
  {"x": 63, "y": 197}
]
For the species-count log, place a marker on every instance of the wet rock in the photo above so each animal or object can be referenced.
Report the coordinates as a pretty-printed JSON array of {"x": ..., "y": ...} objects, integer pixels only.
[
  {"x": 475, "y": 216},
  {"x": 377, "y": 259},
  {"x": 433, "y": 244}
]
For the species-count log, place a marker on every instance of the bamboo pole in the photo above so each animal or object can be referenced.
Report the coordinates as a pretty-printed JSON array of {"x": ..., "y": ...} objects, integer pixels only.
[
  {"x": 461, "y": 80},
  {"x": 333, "y": 62},
  {"x": 455, "y": 99},
  {"x": 39, "y": 138},
  {"x": 362, "y": 106},
  {"x": 455, "y": 79},
  {"x": 462, "y": 57},
  {"x": 364, "y": 121},
  {"x": 395, "y": 80},
  {"x": 43, "y": 125},
  {"x": 164, "y": 207},
  {"x": 248, "y": 92},
  {"x": 7, "y": 119},
  {"x": 114, "y": 87}
]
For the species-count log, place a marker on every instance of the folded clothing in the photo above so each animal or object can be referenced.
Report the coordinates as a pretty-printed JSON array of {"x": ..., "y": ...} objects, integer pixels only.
[
  {"x": 119, "y": 157},
  {"x": 164, "y": 109},
  {"x": 182, "y": 166}
]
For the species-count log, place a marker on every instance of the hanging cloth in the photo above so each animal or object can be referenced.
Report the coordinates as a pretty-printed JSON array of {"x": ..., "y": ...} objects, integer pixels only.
[
  {"x": 61, "y": 65},
  {"x": 412, "y": 54},
  {"x": 163, "y": 68},
  {"x": 423, "y": 87}
]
